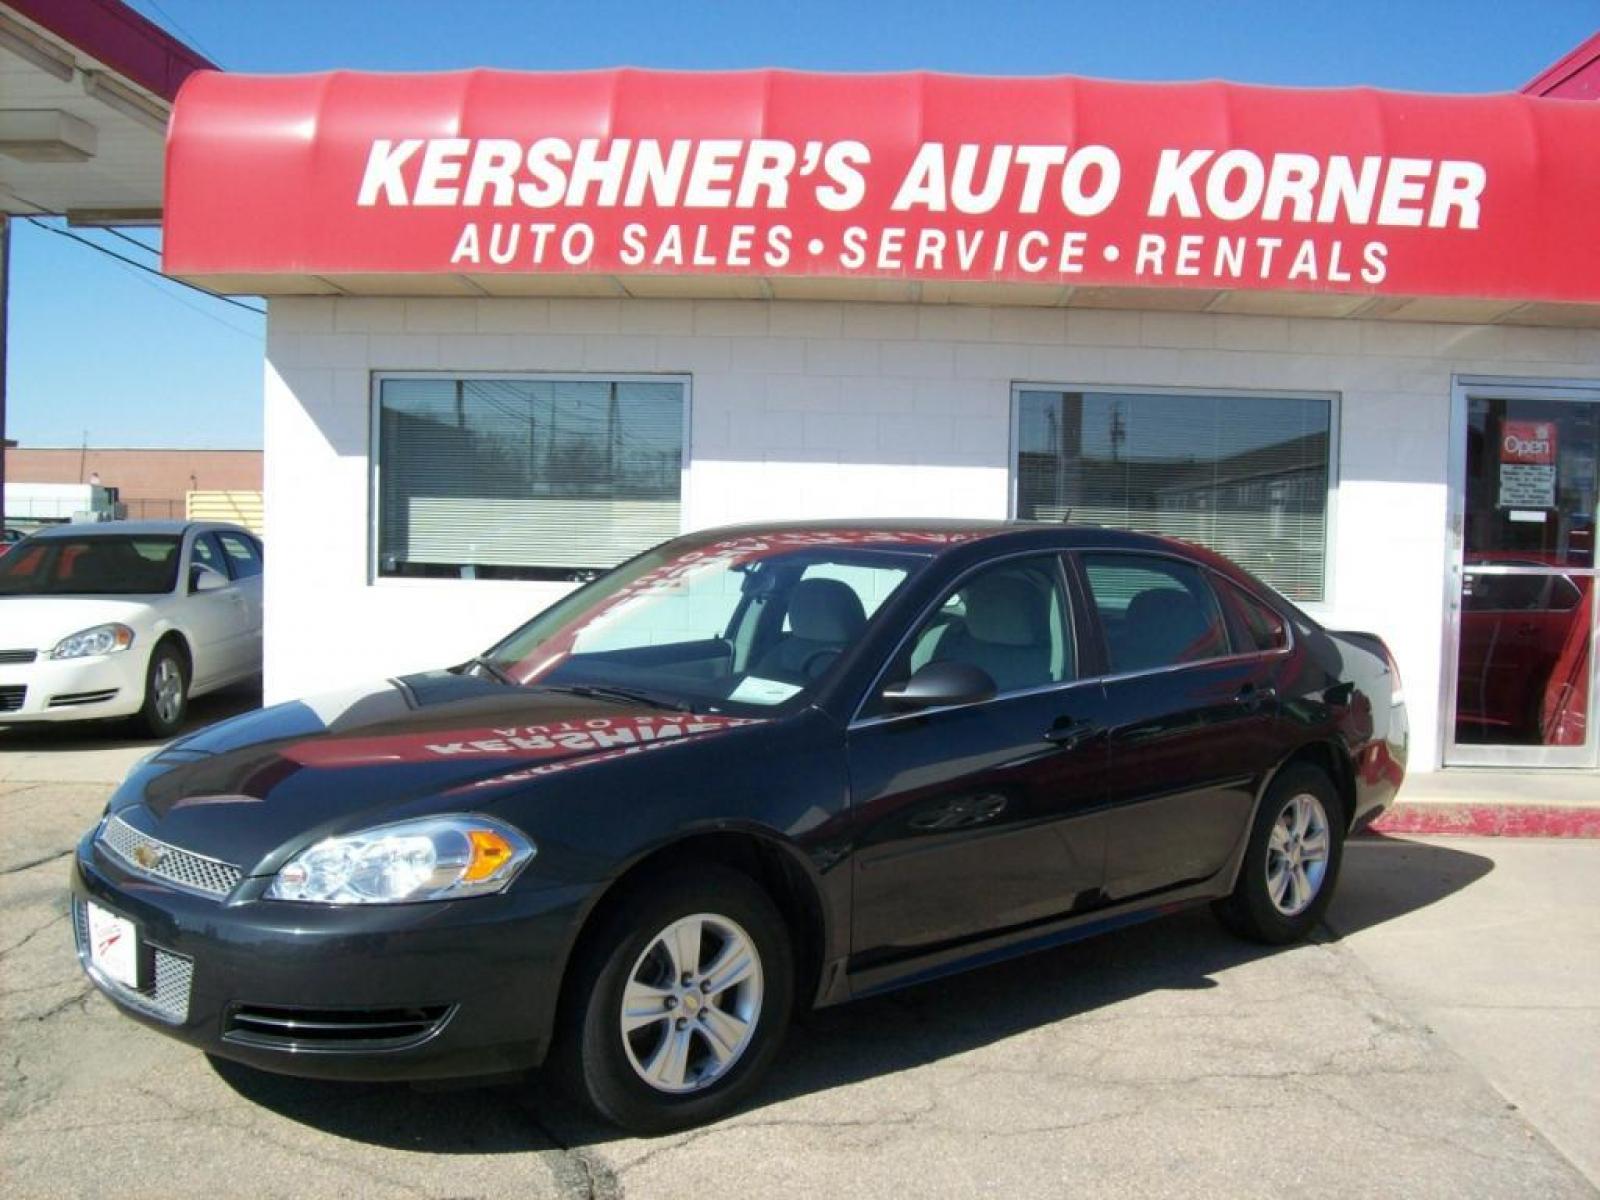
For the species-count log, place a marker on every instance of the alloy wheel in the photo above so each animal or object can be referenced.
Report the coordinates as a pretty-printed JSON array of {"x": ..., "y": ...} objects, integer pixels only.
[
  {"x": 1297, "y": 854},
  {"x": 167, "y": 688},
  {"x": 690, "y": 1006}
]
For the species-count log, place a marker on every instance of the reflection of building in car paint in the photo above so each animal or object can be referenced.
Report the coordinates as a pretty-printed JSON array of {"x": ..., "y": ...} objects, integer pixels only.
[{"x": 565, "y": 739}]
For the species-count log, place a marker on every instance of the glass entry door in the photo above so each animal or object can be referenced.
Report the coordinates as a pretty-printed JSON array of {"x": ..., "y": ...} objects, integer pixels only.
[{"x": 1524, "y": 612}]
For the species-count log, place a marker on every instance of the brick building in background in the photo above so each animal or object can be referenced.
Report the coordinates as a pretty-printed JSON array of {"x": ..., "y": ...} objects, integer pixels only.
[{"x": 153, "y": 484}]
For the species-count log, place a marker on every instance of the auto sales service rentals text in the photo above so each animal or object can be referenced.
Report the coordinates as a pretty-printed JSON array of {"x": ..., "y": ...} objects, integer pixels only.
[{"x": 522, "y": 325}]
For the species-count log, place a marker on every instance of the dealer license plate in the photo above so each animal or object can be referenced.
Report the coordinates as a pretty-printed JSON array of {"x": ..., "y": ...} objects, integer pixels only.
[{"x": 114, "y": 946}]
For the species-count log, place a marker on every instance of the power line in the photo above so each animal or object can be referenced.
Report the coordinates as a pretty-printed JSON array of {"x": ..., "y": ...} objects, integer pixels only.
[
  {"x": 132, "y": 241},
  {"x": 148, "y": 270},
  {"x": 93, "y": 245},
  {"x": 179, "y": 298},
  {"x": 173, "y": 21}
]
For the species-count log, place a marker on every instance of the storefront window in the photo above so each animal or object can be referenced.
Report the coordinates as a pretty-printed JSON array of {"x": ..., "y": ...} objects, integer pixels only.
[
  {"x": 480, "y": 478},
  {"x": 1247, "y": 476}
]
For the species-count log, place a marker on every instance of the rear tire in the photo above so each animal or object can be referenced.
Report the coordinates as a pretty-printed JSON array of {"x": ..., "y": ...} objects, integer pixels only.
[
  {"x": 674, "y": 941},
  {"x": 166, "y": 693},
  {"x": 1292, "y": 862}
]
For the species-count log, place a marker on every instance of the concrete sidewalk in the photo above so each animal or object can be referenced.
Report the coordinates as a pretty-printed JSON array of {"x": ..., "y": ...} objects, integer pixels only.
[{"x": 1503, "y": 967}]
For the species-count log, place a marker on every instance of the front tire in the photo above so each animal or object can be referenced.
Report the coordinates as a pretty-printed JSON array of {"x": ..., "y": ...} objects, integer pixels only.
[
  {"x": 1292, "y": 862},
  {"x": 679, "y": 1002},
  {"x": 166, "y": 693}
]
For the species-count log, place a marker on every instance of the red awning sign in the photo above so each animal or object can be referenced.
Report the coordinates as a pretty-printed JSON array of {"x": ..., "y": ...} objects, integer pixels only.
[{"x": 923, "y": 177}]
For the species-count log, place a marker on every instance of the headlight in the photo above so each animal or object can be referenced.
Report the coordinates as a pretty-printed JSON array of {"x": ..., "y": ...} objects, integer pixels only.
[
  {"x": 435, "y": 858},
  {"x": 102, "y": 639}
]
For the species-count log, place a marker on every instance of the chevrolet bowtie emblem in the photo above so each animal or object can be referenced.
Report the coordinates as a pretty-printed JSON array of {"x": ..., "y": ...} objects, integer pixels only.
[{"x": 148, "y": 856}]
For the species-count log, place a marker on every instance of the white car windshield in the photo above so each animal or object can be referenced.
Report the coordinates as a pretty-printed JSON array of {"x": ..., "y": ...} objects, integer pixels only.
[
  {"x": 748, "y": 623},
  {"x": 92, "y": 565}
]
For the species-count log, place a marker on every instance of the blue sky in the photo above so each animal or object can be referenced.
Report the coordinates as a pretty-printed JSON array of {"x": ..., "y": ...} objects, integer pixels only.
[{"x": 102, "y": 350}]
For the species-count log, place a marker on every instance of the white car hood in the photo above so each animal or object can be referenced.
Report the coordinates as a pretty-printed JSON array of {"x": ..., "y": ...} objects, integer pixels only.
[{"x": 39, "y": 622}]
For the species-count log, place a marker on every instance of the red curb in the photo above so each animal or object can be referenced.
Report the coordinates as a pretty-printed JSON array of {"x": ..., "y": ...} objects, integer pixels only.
[{"x": 1491, "y": 820}]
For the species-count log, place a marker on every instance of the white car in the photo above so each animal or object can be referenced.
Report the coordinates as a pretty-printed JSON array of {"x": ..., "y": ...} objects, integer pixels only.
[{"x": 127, "y": 619}]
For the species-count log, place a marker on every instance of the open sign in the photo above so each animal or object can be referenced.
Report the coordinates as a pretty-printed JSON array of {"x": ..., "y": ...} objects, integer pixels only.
[{"x": 1532, "y": 442}]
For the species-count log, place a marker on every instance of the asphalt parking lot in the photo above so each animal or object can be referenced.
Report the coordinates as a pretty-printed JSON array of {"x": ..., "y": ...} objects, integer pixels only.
[{"x": 1440, "y": 1039}]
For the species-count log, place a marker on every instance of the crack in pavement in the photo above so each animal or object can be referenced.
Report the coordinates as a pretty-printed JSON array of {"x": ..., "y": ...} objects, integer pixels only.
[
  {"x": 579, "y": 1174},
  {"x": 37, "y": 862},
  {"x": 695, "y": 1135},
  {"x": 33, "y": 933},
  {"x": 80, "y": 998}
]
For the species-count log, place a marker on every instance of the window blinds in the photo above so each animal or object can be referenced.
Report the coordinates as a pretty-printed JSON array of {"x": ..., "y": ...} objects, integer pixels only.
[
  {"x": 1247, "y": 476},
  {"x": 523, "y": 477}
]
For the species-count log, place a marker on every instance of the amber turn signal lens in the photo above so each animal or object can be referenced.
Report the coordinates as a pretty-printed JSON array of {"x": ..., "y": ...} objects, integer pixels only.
[{"x": 490, "y": 852}]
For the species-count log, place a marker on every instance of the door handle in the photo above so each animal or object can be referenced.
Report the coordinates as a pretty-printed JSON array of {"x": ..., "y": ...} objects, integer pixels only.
[
  {"x": 1067, "y": 733},
  {"x": 1255, "y": 698}
]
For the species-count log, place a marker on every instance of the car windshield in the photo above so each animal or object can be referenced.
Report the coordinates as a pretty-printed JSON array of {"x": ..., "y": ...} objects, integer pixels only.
[
  {"x": 92, "y": 565},
  {"x": 743, "y": 625}
]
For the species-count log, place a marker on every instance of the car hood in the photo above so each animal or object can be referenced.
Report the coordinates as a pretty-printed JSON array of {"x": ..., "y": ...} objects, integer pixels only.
[
  {"x": 39, "y": 622},
  {"x": 255, "y": 789}
]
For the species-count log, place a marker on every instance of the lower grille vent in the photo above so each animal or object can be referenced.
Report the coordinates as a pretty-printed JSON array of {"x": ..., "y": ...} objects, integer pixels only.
[
  {"x": 11, "y": 698},
  {"x": 334, "y": 1029},
  {"x": 75, "y": 698}
]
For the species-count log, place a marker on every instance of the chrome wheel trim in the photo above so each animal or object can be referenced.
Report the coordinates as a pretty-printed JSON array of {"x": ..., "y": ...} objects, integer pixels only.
[
  {"x": 1297, "y": 854},
  {"x": 691, "y": 1003},
  {"x": 166, "y": 689}
]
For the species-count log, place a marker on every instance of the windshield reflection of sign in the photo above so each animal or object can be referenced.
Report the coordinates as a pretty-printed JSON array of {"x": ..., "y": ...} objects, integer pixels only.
[
  {"x": 727, "y": 554},
  {"x": 555, "y": 740},
  {"x": 1527, "y": 464}
]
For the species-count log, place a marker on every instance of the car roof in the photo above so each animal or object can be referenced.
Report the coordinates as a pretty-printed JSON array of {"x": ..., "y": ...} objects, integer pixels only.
[
  {"x": 939, "y": 536},
  {"x": 131, "y": 528}
]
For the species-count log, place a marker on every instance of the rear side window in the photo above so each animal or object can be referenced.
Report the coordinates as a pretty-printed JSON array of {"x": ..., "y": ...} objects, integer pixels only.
[
  {"x": 1258, "y": 627},
  {"x": 1155, "y": 612}
]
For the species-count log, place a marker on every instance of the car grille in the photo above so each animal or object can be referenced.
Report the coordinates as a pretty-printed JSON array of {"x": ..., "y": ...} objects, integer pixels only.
[
  {"x": 11, "y": 698},
  {"x": 12, "y": 657},
  {"x": 166, "y": 998},
  {"x": 148, "y": 856},
  {"x": 334, "y": 1028}
]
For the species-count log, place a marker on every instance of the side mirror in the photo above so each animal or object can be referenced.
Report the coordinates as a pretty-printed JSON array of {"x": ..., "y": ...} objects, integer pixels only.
[
  {"x": 206, "y": 579},
  {"x": 939, "y": 684}
]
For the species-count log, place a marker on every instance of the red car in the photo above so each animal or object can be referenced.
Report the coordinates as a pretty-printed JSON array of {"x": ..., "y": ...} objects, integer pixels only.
[{"x": 1524, "y": 666}]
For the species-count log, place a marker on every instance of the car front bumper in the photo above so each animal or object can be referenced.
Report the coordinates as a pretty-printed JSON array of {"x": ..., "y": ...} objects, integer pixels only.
[
  {"x": 407, "y": 991},
  {"x": 73, "y": 689}
]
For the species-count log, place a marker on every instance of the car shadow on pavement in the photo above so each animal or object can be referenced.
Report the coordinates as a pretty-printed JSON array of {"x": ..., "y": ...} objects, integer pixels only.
[
  {"x": 71, "y": 737},
  {"x": 886, "y": 1034}
]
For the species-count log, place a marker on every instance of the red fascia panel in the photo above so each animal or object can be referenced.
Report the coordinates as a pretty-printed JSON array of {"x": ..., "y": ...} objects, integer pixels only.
[
  {"x": 1575, "y": 77},
  {"x": 113, "y": 33},
  {"x": 784, "y": 174}
]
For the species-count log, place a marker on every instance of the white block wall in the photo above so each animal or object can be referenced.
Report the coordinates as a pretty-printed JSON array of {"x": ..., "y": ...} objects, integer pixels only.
[{"x": 810, "y": 410}]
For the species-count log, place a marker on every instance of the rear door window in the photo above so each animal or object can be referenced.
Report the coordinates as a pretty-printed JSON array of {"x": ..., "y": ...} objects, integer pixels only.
[{"x": 1154, "y": 612}]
